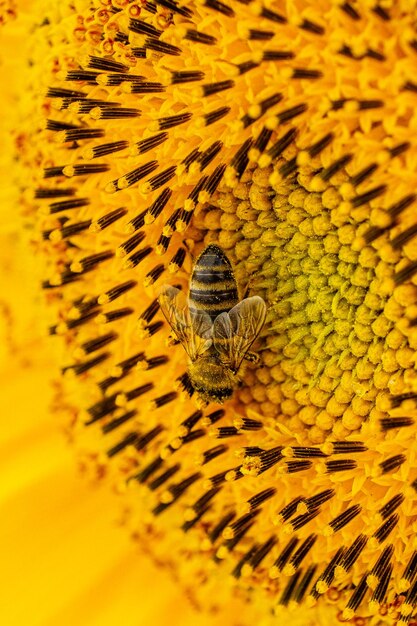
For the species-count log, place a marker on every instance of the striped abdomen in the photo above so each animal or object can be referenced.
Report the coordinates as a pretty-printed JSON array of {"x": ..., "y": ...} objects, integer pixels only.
[{"x": 213, "y": 286}]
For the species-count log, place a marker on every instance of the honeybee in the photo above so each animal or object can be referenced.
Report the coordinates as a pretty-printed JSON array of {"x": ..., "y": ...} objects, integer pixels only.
[{"x": 214, "y": 327}]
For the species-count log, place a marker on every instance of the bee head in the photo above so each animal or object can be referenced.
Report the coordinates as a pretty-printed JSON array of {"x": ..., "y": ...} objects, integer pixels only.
[{"x": 212, "y": 380}]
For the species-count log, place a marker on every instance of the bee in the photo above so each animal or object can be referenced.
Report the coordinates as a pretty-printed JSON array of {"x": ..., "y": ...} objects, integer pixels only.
[{"x": 214, "y": 326}]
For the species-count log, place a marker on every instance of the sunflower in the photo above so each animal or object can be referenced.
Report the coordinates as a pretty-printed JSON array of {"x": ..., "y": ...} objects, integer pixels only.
[{"x": 283, "y": 133}]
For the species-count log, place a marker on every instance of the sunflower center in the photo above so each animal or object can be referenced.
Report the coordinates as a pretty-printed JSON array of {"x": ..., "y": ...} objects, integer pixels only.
[{"x": 331, "y": 345}]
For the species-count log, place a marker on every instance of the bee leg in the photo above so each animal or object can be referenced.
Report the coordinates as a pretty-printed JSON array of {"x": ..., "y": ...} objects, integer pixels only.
[
  {"x": 186, "y": 245},
  {"x": 172, "y": 340},
  {"x": 246, "y": 292},
  {"x": 247, "y": 289},
  {"x": 252, "y": 357},
  {"x": 200, "y": 403}
]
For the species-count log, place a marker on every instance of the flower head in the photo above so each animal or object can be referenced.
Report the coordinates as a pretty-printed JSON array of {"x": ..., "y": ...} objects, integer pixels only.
[{"x": 283, "y": 133}]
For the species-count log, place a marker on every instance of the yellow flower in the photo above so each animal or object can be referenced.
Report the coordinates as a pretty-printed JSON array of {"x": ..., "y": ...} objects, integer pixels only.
[
  {"x": 285, "y": 133},
  {"x": 64, "y": 560}
]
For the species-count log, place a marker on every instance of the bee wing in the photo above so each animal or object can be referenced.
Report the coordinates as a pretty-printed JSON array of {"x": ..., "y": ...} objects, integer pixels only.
[
  {"x": 234, "y": 332},
  {"x": 192, "y": 328}
]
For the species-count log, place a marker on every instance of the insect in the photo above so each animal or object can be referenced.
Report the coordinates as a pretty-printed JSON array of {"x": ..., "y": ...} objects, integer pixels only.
[{"x": 214, "y": 326}]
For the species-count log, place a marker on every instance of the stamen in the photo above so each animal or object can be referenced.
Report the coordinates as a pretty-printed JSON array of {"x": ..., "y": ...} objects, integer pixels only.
[
  {"x": 305, "y": 583},
  {"x": 292, "y": 467},
  {"x": 116, "y": 292},
  {"x": 147, "y": 87},
  {"x": 409, "y": 572},
  {"x": 58, "y": 92},
  {"x": 380, "y": 566},
  {"x": 67, "y": 231},
  {"x": 232, "y": 531},
  {"x": 259, "y": 555},
  {"x": 178, "y": 78},
  {"x": 352, "y": 554},
  {"x": 145, "y": 439},
  {"x": 68, "y": 205},
  {"x": 388, "y": 423},
  {"x": 81, "y": 368},
  {"x": 149, "y": 313},
  {"x": 114, "y": 316},
  {"x": 173, "y": 120},
  {"x": 96, "y": 344},
  {"x": 272, "y": 16},
  {"x": 261, "y": 497},
  {"x": 283, "y": 558},
  {"x": 344, "y": 518},
  {"x": 80, "y": 321},
  {"x": 391, "y": 505},
  {"x": 192, "y": 522},
  {"x": 162, "y": 478},
  {"x": 277, "y": 55},
  {"x": 300, "y": 555},
  {"x": 102, "y": 408},
  {"x": 290, "y": 588},
  {"x": 260, "y": 35},
  {"x": 164, "y": 399},
  {"x": 406, "y": 273},
  {"x": 311, "y": 27},
  {"x": 363, "y": 174},
  {"x": 108, "y": 219},
  {"x": 212, "y": 453},
  {"x": 383, "y": 531},
  {"x": 291, "y": 113},
  {"x": 172, "y": 6},
  {"x": 202, "y": 502},
  {"x": 174, "y": 493},
  {"x": 89, "y": 263},
  {"x": 302, "y": 520},
  {"x": 81, "y": 134},
  {"x": 153, "y": 275},
  {"x": 344, "y": 447},
  {"x": 211, "y": 89},
  {"x": 220, "y": 7},
  {"x": 326, "y": 578},
  {"x": 216, "y": 532},
  {"x": 306, "y": 453},
  {"x": 320, "y": 498},
  {"x": 368, "y": 196},
  {"x": 177, "y": 261},
  {"x": 356, "y": 598},
  {"x": 151, "y": 142},
  {"x": 333, "y": 169},
  {"x": 132, "y": 177},
  {"x": 143, "y": 28},
  {"x": 54, "y": 193},
  {"x": 245, "y": 423},
  {"x": 340, "y": 465},
  {"x": 129, "y": 440},
  {"x": 138, "y": 257},
  {"x": 119, "y": 421},
  {"x": 108, "y": 113},
  {"x": 161, "y": 46},
  {"x": 106, "y": 65},
  {"x": 149, "y": 470},
  {"x": 237, "y": 572},
  {"x": 392, "y": 464},
  {"x": 198, "y": 37},
  {"x": 379, "y": 595},
  {"x": 84, "y": 169},
  {"x": 282, "y": 144},
  {"x": 350, "y": 11}
]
